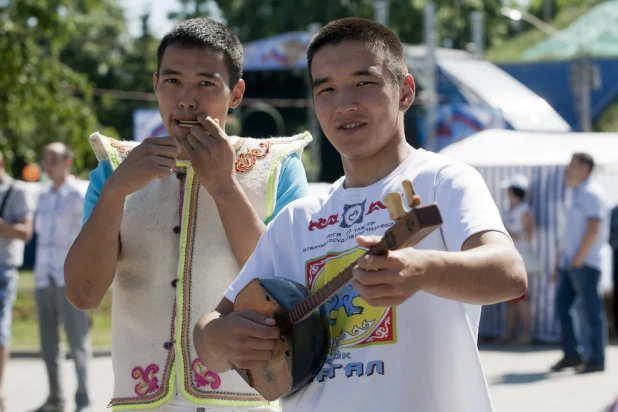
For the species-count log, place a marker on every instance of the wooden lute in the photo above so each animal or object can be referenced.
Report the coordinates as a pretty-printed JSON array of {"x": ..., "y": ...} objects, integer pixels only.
[{"x": 303, "y": 346}]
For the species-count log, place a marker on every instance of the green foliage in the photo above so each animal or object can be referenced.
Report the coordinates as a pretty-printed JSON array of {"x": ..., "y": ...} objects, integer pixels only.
[
  {"x": 112, "y": 60},
  {"x": 25, "y": 328},
  {"x": 509, "y": 50},
  {"x": 255, "y": 19},
  {"x": 41, "y": 99},
  {"x": 59, "y": 57},
  {"x": 608, "y": 121}
]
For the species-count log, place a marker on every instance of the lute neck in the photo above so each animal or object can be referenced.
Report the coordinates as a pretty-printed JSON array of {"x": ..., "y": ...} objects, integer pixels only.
[
  {"x": 332, "y": 287},
  {"x": 407, "y": 231}
]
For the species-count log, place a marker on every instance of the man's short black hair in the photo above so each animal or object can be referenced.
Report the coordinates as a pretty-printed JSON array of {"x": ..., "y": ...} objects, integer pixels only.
[
  {"x": 210, "y": 34},
  {"x": 368, "y": 31},
  {"x": 584, "y": 158},
  {"x": 518, "y": 193}
]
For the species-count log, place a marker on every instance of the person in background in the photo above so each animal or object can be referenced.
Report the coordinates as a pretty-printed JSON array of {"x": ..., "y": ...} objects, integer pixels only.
[
  {"x": 578, "y": 267},
  {"x": 57, "y": 223},
  {"x": 613, "y": 241},
  {"x": 519, "y": 222},
  {"x": 16, "y": 214}
]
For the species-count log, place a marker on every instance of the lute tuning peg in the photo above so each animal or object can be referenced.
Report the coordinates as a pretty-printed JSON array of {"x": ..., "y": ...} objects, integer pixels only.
[
  {"x": 411, "y": 196},
  {"x": 394, "y": 204},
  {"x": 394, "y": 201}
]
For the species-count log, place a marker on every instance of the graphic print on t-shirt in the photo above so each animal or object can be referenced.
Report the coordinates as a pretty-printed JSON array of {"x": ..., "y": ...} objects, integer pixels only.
[{"x": 353, "y": 322}]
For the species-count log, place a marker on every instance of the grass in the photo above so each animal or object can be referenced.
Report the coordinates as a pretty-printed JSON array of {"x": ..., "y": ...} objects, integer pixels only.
[{"x": 25, "y": 329}]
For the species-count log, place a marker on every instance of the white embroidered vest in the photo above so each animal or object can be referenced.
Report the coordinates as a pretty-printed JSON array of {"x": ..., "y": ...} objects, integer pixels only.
[{"x": 175, "y": 263}]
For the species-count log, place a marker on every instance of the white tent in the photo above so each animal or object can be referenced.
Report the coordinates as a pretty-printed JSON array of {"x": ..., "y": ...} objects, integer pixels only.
[
  {"x": 542, "y": 157},
  {"x": 514, "y": 148}
]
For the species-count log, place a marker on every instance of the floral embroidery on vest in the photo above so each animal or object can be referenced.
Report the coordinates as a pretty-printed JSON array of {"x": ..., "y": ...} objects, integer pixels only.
[
  {"x": 149, "y": 381},
  {"x": 203, "y": 376},
  {"x": 124, "y": 152},
  {"x": 247, "y": 160}
]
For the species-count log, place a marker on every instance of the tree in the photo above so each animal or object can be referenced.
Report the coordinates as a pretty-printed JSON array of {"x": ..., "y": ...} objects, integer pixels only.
[
  {"x": 252, "y": 19},
  {"x": 192, "y": 8},
  {"x": 41, "y": 99},
  {"x": 112, "y": 59},
  {"x": 58, "y": 56}
]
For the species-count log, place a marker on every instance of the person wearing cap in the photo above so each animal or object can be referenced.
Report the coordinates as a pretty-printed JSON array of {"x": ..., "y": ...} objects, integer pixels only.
[
  {"x": 579, "y": 268},
  {"x": 519, "y": 222}
]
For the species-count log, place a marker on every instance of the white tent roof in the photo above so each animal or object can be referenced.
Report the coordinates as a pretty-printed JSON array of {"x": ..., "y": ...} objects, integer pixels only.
[{"x": 496, "y": 147}]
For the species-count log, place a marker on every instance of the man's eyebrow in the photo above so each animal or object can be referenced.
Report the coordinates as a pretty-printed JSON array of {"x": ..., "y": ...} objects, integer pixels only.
[
  {"x": 167, "y": 72},
  {"x": 317, "y": 82},
  {"x": 172, "y": 72},
  {"x": 371, "y": 71},
  {"x": 215, "y": 76}
]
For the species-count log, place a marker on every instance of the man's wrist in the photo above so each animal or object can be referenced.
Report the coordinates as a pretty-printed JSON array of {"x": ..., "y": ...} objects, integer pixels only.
[
  {"x": 110, "y": 192},
  {"x": 434, "y": 264},
  {"x": 226, "y": 191}
]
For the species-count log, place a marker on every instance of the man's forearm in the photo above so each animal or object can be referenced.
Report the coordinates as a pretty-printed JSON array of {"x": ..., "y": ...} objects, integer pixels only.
[
  {"x": 590, "y": 236},
  {"x": 484, "y": 275},
  {"x": 215, "y": 362},
  {"x": 90, "y": 265},
  {"x": 22, "y": 231},
  {"x": 241, "y": 223}
]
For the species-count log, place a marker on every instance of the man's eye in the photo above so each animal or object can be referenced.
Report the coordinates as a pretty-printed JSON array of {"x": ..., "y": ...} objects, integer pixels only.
[
  {"x": 364, "y": 83},
  {"x": 172, "y": 80},
  {"x": 328, "y": 89},
  {"x": 207, "y": 83}
]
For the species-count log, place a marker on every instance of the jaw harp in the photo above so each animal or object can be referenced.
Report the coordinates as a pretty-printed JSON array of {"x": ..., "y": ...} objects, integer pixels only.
[{"x": 189, "y": 123}]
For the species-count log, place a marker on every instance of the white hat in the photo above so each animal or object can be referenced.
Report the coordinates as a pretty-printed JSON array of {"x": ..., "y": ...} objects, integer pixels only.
[{"x": 516, "y": 182}]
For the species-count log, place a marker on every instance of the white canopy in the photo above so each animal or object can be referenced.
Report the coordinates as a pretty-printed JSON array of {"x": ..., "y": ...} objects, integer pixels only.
[{"x": 516, "y": 148}]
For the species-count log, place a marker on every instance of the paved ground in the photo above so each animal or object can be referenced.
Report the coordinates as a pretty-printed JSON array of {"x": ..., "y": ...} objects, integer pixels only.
[{"x": 518, "y": 382}]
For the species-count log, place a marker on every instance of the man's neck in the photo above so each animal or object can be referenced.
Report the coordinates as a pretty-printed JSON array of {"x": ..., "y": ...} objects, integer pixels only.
[
  {"x": 365, "y": 172},
  {"x": 579, "y": 183},
  {"x": 58, "y": 183}
]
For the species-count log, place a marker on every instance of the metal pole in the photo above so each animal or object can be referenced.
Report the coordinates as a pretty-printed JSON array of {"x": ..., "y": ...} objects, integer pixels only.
[
  {"x": 518, "y": 13},
  {"x": 547, "y": 10},
  {"x": 429, "y": 34},
  {"x": 477, "y": 24},
  {"x": 380, "y": 11},
  {"x": 586, "y": 101},
  {"x": 315, "y": 148}
]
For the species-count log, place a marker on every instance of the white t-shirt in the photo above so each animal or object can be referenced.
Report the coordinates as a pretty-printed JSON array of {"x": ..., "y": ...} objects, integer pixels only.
[{"x": 419, "y": 356}]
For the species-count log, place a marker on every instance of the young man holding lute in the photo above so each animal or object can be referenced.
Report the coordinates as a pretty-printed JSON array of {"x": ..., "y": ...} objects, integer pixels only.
[{"x": 403, "y": 334}]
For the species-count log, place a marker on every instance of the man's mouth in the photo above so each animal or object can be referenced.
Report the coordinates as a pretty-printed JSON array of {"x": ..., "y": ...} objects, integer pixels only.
[
  {"x": 186, "y": 123},
  {"x": 351, "y": 126}
]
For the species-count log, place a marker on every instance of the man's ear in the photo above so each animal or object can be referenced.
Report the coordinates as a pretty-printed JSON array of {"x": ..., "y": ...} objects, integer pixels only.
[
  {"x": 408, "y": 92},
  {"x": 155, "y": 80},
  {"x": 237, "y": 94}
]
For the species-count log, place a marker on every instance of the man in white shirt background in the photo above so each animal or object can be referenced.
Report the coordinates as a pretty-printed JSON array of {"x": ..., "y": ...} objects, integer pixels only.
[
  {"x": 16, "y": 210},
  {"x": 57, "y": 223}
]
